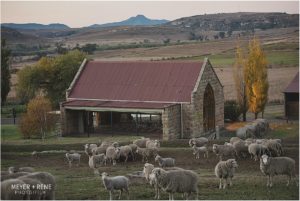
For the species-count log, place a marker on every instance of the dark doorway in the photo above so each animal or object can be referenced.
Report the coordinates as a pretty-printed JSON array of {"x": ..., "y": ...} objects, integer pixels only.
[{"x": 209, "y": 109}]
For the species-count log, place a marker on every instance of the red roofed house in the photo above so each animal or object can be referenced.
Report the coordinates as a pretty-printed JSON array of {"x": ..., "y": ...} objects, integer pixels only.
[
  {"x": 291, "y": 99},
  {"x": 175, "y": 99}
]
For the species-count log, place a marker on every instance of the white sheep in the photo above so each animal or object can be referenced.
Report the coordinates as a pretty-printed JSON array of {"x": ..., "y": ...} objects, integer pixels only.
[
  {"x": 241, "y": 149},
  {"x": 274, "y": 147},
  {"x": 200, "y": 150},
  {"x": 146, "y": 153},
  {"x": 95, "y": 160},
  {"x": 271, "y": 166},
  {"x": 47, "y": 180},
  {"x": 180, "y": 181},
  {"x": 72, "y": 158},
  {"x": 112, "y": 154},
  {"x": 125, "y": 151},
  {"x": 141, "y": 142},
  {"x": 115, "y": 183},
  {"x": 223, "y": 150},
  {"x": 33, "y": 193},
  {"x": 234, "y": 139},
  {"x": 148, "y": 167},
  {"x": 88, "y": 148},
  {"x": 199, "y": 142},
  {"x": 263, "y": 125},
  {"x": 8, "y": 193},
  {"x": 225, "y": 170},
  {"x": 20, "y": 169},
  {"x": 165, "y": 162},
  {"x": 256, "y": 150},
  {"x": 133, "y": 148},
  {"x": 152, "y": 144}
]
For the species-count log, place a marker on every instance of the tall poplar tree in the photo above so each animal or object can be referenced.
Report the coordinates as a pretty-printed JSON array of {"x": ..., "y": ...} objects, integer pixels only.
[{"x": 256, "y": 78}]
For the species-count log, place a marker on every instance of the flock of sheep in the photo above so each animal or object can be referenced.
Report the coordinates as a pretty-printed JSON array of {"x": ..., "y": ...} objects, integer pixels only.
[{"x": 166, "y": 177}]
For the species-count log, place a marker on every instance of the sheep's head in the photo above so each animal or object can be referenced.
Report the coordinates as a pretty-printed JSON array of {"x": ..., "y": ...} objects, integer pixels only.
[
  {"x": 104, "y": 174},
  {"x": 157, "y": 143},
  {"x": 12, "y": 170},
  {"x": 232, "y": 163},
  {"x": 157, "y": 157},
  {"x": 215, "y": 148},
  {"x": 115, "y": 144},
  {"x": 265, "y": 159},
  {"x": 156, "y": 172},
  {"x": 86, "y": 146}
]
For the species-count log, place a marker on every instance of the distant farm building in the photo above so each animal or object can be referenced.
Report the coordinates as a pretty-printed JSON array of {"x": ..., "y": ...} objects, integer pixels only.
[
  {"x": 172, "y": 99},
  {"x": 291, "y": 99}
]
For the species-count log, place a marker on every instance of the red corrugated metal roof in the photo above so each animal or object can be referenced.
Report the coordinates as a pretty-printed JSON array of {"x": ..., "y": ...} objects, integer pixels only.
[
  {"x": 293, "y": 87},
  {"x": 115, "y": 104},
  {"x": 137, "y": 81}
]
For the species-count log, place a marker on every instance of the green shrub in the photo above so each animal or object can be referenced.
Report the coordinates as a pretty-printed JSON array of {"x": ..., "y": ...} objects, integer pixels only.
[{"x": 231, "y": 110}]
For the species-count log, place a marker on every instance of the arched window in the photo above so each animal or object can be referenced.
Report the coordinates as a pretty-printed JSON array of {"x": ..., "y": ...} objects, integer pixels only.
[{"x": 208, "y": 109}]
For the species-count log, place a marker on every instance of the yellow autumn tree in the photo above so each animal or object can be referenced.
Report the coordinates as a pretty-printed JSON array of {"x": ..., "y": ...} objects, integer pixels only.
[
  {"x": 239, "y": 80},
  {"x": 256, "y": 78}
]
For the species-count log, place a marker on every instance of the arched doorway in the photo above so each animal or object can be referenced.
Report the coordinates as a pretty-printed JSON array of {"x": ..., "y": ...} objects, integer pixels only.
[{"x": 208, "y": 109}]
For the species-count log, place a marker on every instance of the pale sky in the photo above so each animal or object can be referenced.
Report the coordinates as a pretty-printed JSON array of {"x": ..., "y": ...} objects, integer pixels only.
[{"x": 85, "y": 13}]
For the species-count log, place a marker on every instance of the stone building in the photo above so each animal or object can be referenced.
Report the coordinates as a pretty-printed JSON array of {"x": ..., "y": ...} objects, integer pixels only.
[
  {"x": 291, "y": 99},
  {"x": 173, "y": 99}
]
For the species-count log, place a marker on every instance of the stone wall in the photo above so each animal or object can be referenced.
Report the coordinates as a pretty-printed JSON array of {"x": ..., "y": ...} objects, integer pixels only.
[
  {"x": 196, "y": 108},
  {"x": 171, "y": 122},
  {"x": 71, "y": 122}
]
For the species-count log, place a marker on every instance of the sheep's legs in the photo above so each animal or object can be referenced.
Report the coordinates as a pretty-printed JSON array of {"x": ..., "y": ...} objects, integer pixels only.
[
  {"x": 110, "y": 195},
  {"x": 225, "y": 183},
  {"x": 230, "y": 181},
  {"x": 268, "y": 181},
  {"x": 289, "y": 179},
  {"x": 70, "y": 164},
  {"x": 271, "y": 181},
  {"x": 220, "y": 184},
  {"x": 120, "y": 194},
  {"x": 171, "y": 196}
]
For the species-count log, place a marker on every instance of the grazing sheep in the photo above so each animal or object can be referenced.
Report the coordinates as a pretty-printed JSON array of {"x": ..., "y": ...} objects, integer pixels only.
[
  {"x": 13, "y": 175},
  {"x": 271, "y": 166},
  {"x": 72, "y": 158},
  {"x": 256, "y": 150},
  {"x": 99, "y": 150},
  {"x": 223, "y": 150},
  {"x": 48, "y": 182},
  {"x": 241, "y": 149},
  {"x": 20, "y": 169},
  {"x": 125, "y": 151},
  {"x": 200, "y": 150},
  {"x": 112, "y": 154},
  {"x": 88, "y": 148},
  {"x": 263, "y": 125},
  {"x": 180, "y": 181},
  {"x": 8, "y": 193},
  {"x": 34, "y": 193},
  {"x": 95, "y": 160},
  {"x": 115, "y": 183},
  {"x": 165, "y": 162},
  {"x": 152, "y": 144},
  {"x": 141, "y": 142},
  {"x": 234, "y": 139},
  {"x": 146, "y": 153},
  {"x": 199, "y": 142},
  {"x": 133, "y": 148},
  {"x": 225, "y": 170},
  {"x": 274, "y": 147}
]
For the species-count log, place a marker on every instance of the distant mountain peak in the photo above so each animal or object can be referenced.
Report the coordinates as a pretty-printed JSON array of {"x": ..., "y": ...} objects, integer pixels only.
[{"x": 138, "y": 20}]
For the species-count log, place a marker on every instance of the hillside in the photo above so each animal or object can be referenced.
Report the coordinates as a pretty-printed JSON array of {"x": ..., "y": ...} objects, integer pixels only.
[
  {"x": 139, "y": 20},
  {"x": 237, "y": 21},
  {"x": 35, "y": 26}
]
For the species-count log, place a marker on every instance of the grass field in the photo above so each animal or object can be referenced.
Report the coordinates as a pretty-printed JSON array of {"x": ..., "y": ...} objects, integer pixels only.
[{"x": 80, "y": 182}]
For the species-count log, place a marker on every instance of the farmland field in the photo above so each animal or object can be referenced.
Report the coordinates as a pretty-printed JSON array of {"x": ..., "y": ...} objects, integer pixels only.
[{"x": 80, "y": 182}]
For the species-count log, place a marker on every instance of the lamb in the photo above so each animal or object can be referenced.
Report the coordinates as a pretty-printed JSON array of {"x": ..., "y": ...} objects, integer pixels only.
[
  {"x": 125, "y": 151},
  {"x": 199, "y": 142},
  {"x": 21, "y": 169},
  {"x": 165, "y": 162},
  {"x": 271, "y": 166},
  {"x": 115, "y": 183},
  {"x": 198, "y": 150},
  {"x": 256, "y": 150},
  {"x": 46, "y": 179},
  {"x": 223, "y": 150},
  {"x": 72, "y": 158},
  {"x": 88, "y": 148},
  {"x": 141, "y": 142},
  {"x": 180, "y": 181},
  {"x": 150, "y": 177},
  {"x": 8, "y": 193},
  {"x": 225, "y": 170},
  {"x": 152, "y": 144},
  {"x": 95, "y": 160},
  {"x": 146, "y": 153},
  {"x": 241, "y": 149},
  {"x": 112, "y": 154}
]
